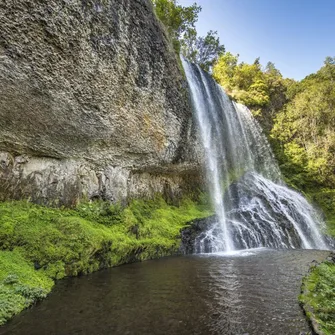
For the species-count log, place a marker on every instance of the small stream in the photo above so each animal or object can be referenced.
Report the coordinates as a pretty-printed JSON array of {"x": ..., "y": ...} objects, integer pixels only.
[{"x": 250, "y": 292}]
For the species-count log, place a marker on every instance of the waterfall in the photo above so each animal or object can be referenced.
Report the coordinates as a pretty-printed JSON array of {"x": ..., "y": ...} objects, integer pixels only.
[{"x": 253, "y": 206}]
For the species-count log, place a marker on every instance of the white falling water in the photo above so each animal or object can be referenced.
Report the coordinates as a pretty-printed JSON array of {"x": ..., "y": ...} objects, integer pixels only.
[{"x": 253, "y": 206}]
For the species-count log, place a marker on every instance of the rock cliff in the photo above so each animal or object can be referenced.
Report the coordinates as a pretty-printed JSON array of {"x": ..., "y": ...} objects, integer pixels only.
[{"x": 93, "y": 103}]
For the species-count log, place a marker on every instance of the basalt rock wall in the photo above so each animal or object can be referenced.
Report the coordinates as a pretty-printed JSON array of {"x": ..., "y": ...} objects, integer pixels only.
[{"x": 93, "y": 104}]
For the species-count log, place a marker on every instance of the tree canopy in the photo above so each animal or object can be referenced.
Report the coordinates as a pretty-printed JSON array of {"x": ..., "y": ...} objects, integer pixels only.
[
  {"x": 202, "y": 50},
  {"x": 180, "y": 23},
  {"x": 305, "y": 128},
  {"x": 264, "y": 91},
  {"x": 298, "y": 117},
  {"x": 177, "y": 19}
]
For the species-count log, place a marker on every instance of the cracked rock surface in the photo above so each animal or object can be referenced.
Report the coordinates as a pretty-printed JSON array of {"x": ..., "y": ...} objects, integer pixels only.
[{"x": 92, "y": 103}]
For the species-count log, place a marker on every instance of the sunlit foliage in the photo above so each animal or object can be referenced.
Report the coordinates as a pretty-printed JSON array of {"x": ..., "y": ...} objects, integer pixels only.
[
  {"x": 180, "y": 24},
  {"x": 305, "y": 128},
  {"x": 264, "y": 91}
]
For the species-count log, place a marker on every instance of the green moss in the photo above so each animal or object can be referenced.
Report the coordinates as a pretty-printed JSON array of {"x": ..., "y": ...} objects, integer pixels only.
[
  {"x": 39, "y": 245},
  {"x": 318, "y": 296},
  {"x": 20, "y": 284}
]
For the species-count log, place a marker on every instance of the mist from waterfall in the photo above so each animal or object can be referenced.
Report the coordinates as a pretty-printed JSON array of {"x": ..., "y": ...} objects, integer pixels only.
[{"x": 253, "y": 206}]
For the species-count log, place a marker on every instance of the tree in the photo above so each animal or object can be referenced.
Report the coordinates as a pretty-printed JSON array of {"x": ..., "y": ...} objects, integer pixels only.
[
  {"x": 180, "y": 24},
  {"x": 264, "y": 91},
  {"x": 202, "y": 50},
  {"x": 243, "y": 82},
  {"x": 328, "y": 70},
  {"x": 224, "y": 70},
  {"x": 188, "y": 45},
  {"x": 271, "y": 69},
  {"x": 177, "y": 19},
  {"x": 304, "y": 130}
]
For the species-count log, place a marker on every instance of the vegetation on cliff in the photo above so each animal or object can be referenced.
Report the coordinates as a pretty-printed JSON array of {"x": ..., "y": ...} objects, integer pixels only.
[{"x": 39, "y": 245}]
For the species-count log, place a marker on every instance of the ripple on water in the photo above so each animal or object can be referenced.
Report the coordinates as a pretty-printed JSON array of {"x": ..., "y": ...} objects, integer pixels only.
[{"x": 249, "y": 292}]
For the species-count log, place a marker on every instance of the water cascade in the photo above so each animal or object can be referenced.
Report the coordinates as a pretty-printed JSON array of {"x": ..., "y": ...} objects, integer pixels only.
[{"x": 253, "y": 206}]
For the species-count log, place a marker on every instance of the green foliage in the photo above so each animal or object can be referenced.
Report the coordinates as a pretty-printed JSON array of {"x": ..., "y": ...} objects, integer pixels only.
[
  {"x": 325, "y": 199},
  {"x": 180, "y": 21},
  {"x": 304, "y": 131},
  {"x": 319, "y": 296},
  {"x": 177, "y": 19},
  {"x": 20, "y": 284},
  {"x": 39, "y": 245},
  {"x": 263, "y": 91},
  {"x": 202, "y": 50}
]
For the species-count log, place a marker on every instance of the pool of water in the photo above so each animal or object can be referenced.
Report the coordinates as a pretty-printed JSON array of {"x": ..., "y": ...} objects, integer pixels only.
[{"x": 251, "y": 292}]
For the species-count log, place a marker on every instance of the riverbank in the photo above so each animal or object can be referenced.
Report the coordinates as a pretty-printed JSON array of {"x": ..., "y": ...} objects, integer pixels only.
[
  {"x": 318, "y": 288},
  {"x": 39, "y": 245},
  {"x": 185, "y": 295},
  {"x": 318, "y": 296}
]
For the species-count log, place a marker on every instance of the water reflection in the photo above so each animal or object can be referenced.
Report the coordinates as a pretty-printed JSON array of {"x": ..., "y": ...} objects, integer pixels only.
[
  {"x": 226, "y": 304},
  {"x": 232, "y": 295}
]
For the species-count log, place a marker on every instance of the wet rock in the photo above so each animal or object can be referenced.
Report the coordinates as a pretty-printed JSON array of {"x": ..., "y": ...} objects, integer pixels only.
[
  {"x": 191, "y": 234},
  {"x": 259, "y": 213},
  {"x": 331, "y": 258}
]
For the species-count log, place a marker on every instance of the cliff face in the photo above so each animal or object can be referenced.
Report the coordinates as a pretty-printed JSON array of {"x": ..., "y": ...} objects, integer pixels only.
[{"x": 92, "y": 103}]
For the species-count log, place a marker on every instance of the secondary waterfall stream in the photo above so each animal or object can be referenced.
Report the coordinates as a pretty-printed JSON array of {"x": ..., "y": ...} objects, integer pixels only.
[{"x": 253, "y": 206}]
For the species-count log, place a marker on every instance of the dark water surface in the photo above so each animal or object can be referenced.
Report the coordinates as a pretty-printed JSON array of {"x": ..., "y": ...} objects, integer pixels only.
[{"x": 254, "y": 292}]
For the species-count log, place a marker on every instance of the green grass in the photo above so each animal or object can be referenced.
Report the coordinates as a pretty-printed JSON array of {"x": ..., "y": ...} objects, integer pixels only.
[
  {"x": 39, "y": 245},
  {"x": 20, "y": 284},
  {"x": 319, "y": 296}
]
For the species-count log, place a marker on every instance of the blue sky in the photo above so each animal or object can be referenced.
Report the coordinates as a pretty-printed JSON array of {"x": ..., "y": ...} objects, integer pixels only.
[{"x": 296, "y": 35}]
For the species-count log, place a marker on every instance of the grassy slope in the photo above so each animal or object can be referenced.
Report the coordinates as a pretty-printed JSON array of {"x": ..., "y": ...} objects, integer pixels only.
[
  {"x": 318, "y": 289},
  {"x": 39, "y": 245},
  {"x": 318, "y": 297}
]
